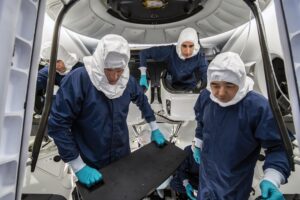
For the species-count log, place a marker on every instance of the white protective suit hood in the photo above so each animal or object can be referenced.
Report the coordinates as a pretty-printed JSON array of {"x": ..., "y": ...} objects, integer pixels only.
[
  {"x": 229, "y": 67},
  {"x": 69, "y": 59},
  {"x": 188, "y": 34},
  {"x": 112, "y": 52}
]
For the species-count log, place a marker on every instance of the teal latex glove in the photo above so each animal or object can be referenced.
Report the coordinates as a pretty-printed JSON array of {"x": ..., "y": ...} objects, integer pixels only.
[
  {"x": 158, "y": 137},
  {"x": 88, "y": 176},
  {"x": 269, "y": 191},
  {"x": 144, "y": 82},
  {"x": 196, "y": 155},
  {"x": 190, "y": 191}
]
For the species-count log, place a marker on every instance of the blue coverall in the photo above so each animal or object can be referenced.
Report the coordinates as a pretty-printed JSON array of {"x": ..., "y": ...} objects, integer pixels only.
[
  {"x": 183, "y": 72},
  {"x": 84, "y": 121},
  {"x": 42, "y": 77},
  {"x": 232, "y": 139}
]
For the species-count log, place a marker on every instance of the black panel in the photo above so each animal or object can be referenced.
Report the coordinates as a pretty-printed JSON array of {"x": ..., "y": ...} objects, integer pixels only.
[
  {"x": 136, "y": 175},
  {"x": 287, "y": 197},
  {"x": 154, "y": 68},
  {"x": 42, "y": 197},
  {"x": 171, "y": 89},
  {"x": 137, "y": 11},
  {"x": 278, "y": 66}
]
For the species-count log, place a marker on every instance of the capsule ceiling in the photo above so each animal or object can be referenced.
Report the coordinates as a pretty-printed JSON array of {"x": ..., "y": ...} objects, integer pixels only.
[{"x": 153, "y": 21}]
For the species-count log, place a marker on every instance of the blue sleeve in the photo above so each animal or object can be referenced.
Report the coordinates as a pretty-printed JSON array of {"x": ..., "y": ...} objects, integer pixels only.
[
  {"x": 268, "y": 134},
  {"x": 65, "y": 109},
  {"x": 199, "y": 107},
  {"x": 42, "y": 77},
  {"x": 156, "y": 53},
  {"x": 199, "y": 116},
  {"x": 203, "y": 68},
  {"x": 140, "y": 99}
]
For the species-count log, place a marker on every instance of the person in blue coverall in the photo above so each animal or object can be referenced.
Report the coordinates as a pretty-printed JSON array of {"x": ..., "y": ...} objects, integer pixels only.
[
  {"x": 88, "y": 117},
  {"x": 233, "y": 124},
  {"x": 186, "y": 178},
  {"x": 65, "y": 63},
  {"x": 185, "y": 61}
]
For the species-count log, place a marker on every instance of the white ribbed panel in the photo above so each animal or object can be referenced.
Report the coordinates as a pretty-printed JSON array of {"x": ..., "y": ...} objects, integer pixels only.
[
  {"x": 89, "y": 17},
  {"x": 18, "y": 35}
]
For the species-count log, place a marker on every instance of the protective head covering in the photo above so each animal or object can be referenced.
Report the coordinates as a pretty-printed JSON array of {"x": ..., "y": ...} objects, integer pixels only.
[
  {"x": 112, "y": 52},
  {"x": 69, "y": 59},
  {"x": 187, "y": 34},
  {"x": 115, "y": 60},
  {"x": 229, "y": 67}
]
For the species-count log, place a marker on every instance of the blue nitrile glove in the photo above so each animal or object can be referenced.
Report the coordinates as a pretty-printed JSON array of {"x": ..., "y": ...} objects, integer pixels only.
[
  {"x": 269, "y": 191},
  {"x": 158, "y": 137},
  {"x": 144, "y": 82},
  {"x": 88, "y": 176},
  {"x": 190, "y": 191},
  {"x": 196, "y": 154}
]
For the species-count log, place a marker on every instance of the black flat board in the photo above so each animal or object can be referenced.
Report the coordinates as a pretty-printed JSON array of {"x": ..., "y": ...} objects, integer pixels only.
[
  {"x": 136, "y": 175},
  {"x": 42, "y": 197},
  {"x": 286, "y": 197}
]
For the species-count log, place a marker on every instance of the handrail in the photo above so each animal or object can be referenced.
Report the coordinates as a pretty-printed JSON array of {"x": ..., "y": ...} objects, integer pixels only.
[{"x": 269, "y": 75}]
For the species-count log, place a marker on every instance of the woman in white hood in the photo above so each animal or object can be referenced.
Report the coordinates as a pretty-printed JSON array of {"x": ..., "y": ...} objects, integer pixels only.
[
  {"x": 233, "y": 124},
  {"x": 65, "y": 63},
  {"x": 88, "y": 116},
  {"x": 185, "y": 61}
]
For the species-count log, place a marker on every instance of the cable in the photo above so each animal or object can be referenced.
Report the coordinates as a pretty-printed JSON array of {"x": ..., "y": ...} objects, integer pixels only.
[{"x": 248, "y": 34}]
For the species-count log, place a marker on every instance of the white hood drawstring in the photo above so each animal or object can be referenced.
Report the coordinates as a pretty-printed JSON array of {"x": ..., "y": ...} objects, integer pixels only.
[
  {"x": 229, "y": 67},
  {"x": 187, "y": 34},
  {"x": 69, "y": 59},
  {"x": 113, "y": 52}
]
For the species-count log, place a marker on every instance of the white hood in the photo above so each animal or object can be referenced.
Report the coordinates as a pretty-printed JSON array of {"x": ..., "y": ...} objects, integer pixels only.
[
  {"x": 112, "y": 50},
  {"x": 229, "y": 67},
  {"x": 187, "y": 34},
  {"x": 69, "y": 59}
]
